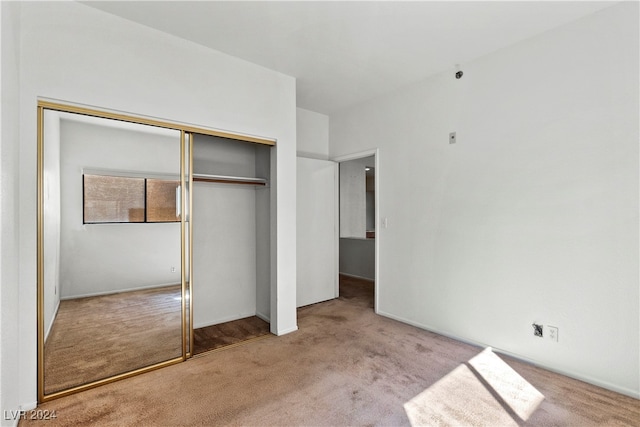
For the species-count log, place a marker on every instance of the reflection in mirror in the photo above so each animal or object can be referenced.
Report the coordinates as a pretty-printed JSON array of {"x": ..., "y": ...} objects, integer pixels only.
[{"x": 111, "y": 248}]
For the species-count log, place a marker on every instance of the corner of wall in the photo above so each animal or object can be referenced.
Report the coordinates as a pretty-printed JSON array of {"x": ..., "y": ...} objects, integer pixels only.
[
  {"x": 9, "y": 214},
  {"x": 312, "y": 134}
]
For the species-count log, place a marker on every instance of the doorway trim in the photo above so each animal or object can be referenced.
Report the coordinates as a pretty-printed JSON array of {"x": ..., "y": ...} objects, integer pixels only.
[{"x": 375, "y": 152}]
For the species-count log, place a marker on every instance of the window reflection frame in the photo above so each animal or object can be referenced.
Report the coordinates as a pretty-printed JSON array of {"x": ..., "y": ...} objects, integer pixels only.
[{"x": 144, "y": 201}]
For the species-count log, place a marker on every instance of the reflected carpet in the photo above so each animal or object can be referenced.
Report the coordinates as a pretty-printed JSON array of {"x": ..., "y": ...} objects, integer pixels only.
[{"x": 97, "y": 337}]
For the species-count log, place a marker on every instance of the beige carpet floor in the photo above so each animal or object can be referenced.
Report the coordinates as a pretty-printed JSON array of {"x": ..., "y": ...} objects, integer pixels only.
[
  {"x": 346, "y": 366},
  {"x": 98, "y": 337}
]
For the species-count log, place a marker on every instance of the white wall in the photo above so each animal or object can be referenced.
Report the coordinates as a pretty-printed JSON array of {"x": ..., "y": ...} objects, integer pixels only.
[
  {"x": 533, "y": 214},
  {"x": 9, "y": 213},
  {"x": 358, "y": 257},
  {"x": 263, "y": 235},
  {"x": 353, "y": 204},
  {"x": 51, "y": 278},
  {"x": 224, "y": 253},
  {"x": 73, "y": 52},
  {"x": 106, "y": 258},
  {"x": 225, "y": 234},
  {"x": 312, "y": 130}
]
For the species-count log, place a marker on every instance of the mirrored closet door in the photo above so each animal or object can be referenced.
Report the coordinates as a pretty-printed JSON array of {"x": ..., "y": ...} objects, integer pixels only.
[
  {"x": 116, "y": 242},
  {"x": 113, "y": 283}
]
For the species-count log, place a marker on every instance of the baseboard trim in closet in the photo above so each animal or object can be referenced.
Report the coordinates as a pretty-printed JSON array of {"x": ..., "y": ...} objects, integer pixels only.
[
  {"x": 263, "y": 317},
  {"x": 228, "y": 334}
]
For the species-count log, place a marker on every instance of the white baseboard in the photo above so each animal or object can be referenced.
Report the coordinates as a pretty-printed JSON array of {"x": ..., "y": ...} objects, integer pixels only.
[
  {"x": 11, "y": 417},
  {"x": 53, "y": 318},
  {"x": 287, "y": 331},
  {"x": 117, "y": 291},
  {"x": 14, "y": 416},
  {"x": 585, "y": 378},
  {"x": 29, "y": 406},
  {"x": 222, "y": 320},
  {"x": 263, "y": 317}
]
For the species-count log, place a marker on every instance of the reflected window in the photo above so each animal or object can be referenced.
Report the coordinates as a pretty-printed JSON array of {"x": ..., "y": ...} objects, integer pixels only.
[
  {"x": 113, "y": 199},
  {"x": 120, "y": 199},
  {"x": 161, "y": 200}
]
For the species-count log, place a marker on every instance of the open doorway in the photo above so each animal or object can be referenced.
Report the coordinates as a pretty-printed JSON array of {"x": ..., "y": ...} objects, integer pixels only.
[{"x": 358, "y": 228}]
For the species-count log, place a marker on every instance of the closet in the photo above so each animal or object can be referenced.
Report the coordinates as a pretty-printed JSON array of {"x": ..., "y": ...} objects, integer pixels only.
[
  {"x": 231, "y": 232},
  {"x": 147, "y": 231}
]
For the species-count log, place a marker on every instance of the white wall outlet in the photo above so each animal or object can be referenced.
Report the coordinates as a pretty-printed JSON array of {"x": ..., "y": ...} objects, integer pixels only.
[{"x": 552, "y": 333}]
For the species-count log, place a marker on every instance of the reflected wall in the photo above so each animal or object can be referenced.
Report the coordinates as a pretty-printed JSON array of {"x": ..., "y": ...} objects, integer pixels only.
[{"x": 111, "y": 288}]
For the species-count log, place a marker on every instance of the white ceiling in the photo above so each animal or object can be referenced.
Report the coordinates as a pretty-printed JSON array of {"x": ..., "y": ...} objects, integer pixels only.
[{"x": 344, "y": 53}]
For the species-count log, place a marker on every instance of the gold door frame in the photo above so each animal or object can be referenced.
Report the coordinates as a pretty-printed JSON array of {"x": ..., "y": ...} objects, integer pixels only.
[
  {"x": 186, "y": 178},
  {"x": 183, "y": 223},
  {"x": 190, "y": 352},
  {"x": 186, "y": 182}
]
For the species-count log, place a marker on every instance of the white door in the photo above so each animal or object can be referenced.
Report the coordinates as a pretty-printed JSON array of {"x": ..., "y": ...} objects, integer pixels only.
[{"x": 317, "y": 231}]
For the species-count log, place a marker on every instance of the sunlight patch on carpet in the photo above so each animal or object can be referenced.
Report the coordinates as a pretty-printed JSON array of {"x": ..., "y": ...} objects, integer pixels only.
[{"x": 484, "y": 390}]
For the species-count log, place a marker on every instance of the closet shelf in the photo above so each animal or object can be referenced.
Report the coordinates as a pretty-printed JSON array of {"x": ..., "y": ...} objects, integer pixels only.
[{"x": 200, "y": 177}]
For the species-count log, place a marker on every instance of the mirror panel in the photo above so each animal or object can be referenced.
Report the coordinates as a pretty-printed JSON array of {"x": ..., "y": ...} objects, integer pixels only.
[
  {"x": 111, "y": 248},
  {"x": 114, "y": 245}
]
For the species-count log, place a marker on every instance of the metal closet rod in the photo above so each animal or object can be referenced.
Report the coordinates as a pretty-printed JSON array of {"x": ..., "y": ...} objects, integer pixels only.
[{"x": 201, "y": 177}]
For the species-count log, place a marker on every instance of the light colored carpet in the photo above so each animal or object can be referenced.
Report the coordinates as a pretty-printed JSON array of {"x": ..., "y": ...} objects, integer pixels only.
[{"x": 346, "y": 366}]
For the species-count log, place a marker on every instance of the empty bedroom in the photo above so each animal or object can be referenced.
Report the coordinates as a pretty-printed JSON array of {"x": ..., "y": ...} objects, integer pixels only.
[{"x": 320, "y": 213}]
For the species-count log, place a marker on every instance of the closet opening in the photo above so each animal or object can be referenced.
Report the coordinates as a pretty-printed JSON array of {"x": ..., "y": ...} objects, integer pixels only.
[
  {"x": 230, "y": 216},
  {"x": 121, "y": 237}
]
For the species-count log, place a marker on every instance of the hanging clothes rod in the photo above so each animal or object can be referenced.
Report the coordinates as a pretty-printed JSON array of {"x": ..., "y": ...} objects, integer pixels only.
[{"x": 200, "y": 177}]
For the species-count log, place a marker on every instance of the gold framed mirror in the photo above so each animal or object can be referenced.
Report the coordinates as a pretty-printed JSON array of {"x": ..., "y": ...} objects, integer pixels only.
[{"x": 114, "y": 245}]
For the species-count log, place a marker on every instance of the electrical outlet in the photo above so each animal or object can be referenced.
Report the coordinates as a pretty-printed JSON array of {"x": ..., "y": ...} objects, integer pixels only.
[
  {"x": 552, "y": 333},
  {"x": 537, "y": 330}
]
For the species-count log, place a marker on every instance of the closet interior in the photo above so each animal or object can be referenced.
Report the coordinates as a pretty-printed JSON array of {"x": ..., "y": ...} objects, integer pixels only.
[{"x": 231, "y": 241}]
